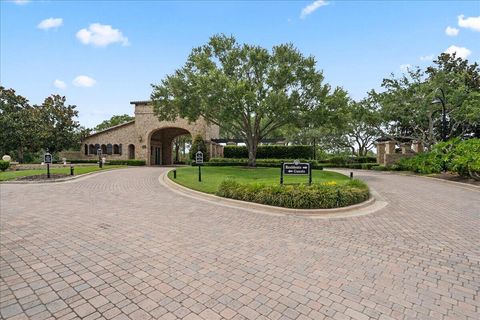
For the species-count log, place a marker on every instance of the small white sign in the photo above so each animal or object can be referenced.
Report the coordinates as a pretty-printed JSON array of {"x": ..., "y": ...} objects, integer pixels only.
[
  {"x": 199, "y": 157},
  {"x": 47, "y": 158}
]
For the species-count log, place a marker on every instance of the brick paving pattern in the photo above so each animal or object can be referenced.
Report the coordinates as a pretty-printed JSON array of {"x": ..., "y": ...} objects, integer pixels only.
[{"x": 118, "y": 245}]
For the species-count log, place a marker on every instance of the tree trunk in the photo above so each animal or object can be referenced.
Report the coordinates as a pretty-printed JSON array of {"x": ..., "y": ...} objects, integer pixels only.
[
  {"x": 252, "y": 152},
  {"x": 20, "y": 154}
]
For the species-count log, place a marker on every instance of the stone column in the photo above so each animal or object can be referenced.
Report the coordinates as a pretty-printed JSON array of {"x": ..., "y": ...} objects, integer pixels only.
[
  {"x": 390, "y": 147},
  {"x": 380, "y": 152},
  {"x": 417, "y": 146}
]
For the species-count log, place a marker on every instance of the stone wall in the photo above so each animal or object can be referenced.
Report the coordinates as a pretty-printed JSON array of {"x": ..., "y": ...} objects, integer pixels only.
[{"x": 387, "y": 154}]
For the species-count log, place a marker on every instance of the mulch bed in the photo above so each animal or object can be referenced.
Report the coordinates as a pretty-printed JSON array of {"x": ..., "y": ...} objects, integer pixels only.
[
  {"x": 456, "y": 178},
  {"x": 43, "y": 177}
]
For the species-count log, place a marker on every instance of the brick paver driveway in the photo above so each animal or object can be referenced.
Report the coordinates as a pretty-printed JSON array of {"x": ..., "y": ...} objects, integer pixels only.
[{"x": 119, "y": 245}]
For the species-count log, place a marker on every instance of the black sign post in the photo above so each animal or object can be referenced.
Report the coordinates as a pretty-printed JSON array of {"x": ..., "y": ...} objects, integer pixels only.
[
  {"x": 199, "y": 162},
  {"x": 296, "y": 169},
  {"x": 47, "y": 159}
]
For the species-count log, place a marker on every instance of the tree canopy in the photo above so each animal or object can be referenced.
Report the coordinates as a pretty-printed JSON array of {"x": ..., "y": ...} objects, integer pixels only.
[
  {"x": 113, "y": 121},
  {"x": 247, "y": 90},
  {"x": 30, "y": 128}
]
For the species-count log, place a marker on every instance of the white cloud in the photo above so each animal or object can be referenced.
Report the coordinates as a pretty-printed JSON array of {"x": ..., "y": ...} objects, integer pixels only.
[
  {"x": 59, "y": 84},
  {"x": 452, "y": 32},
  {"x": 21, "y": 2},
  {"x": 83, "y": 81},
  {"x": 428, "y": 57},
  {"x": 469, "y": 23},
  {"x": 312, "y": 7},
  {"x": 405, "y": 67},
  {"x": 461, "y": 52},
  {"x": 50, "y": 23},
  {"x": 101, "y": 35}
]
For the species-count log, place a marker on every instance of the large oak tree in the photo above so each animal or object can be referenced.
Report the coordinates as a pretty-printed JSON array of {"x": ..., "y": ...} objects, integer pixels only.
[{"x": 245, "y": 89}]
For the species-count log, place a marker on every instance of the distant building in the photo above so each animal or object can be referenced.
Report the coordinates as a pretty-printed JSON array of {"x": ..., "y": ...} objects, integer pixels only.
[{"x": 147, "y": 138}]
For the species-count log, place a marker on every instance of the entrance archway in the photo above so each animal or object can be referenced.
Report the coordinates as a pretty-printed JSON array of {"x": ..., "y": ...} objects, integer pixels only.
[{"x": 161, "y": 145}]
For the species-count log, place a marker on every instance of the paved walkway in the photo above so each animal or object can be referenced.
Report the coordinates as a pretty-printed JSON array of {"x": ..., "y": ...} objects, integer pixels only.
[{"x": 118, "y": 245}]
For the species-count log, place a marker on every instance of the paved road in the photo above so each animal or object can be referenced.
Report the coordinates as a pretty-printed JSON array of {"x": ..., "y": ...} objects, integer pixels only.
[{"x": 119, "y": 245}]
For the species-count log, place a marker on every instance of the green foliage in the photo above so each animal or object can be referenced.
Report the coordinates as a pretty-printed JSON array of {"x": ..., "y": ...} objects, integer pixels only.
[
  {"x": 199, "y": 144},
  {"x": 113, "y": 121},
  {"x": 27, "y": 129},
  {"x": 316, "y": 196},
  {"x": 466, "y": 159},
  {"x": 130, "y": 162},
  {"x": 261, "y": 90},
  {"x": 224, "y": 162},
  {"x": 406, "y": 102},
  {"x": 379, "y": 168},
  {"x": 270, "y": 152},
  {"x": 83, "y": 161},
  {"x": 462, "y": 157},
  {"x": 4, "y": 165}
]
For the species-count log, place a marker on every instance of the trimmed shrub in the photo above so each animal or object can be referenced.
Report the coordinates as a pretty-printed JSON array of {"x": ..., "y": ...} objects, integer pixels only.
[
  {"x": 130, "y": 162},
  {"x": 199, "y": 144},
  {"x": 379, "y": 168},
  {"x": 316, "y": 196},
  {"x": 270, "y": 152},
  {"x": 83, "y": 161},
  {"x": 4, "y": 165},
  {"x": 223, "y": 162}
]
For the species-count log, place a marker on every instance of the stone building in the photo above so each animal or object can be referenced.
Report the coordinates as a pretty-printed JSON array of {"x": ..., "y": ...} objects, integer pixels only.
[
  {"x": 388, "y": 153},
  {"x": 147, "y": 138}
]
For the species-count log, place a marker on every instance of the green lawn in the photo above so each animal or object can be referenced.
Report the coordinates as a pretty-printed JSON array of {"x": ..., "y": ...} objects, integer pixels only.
[
  {"x": 10, "y": 175},
  {"x": 213, "y": 176}
]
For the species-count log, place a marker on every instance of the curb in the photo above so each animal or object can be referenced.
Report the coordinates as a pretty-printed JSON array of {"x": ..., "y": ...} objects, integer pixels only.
[
  {"x": 373, "y": 204},
  {"x": 66, "y": 179},
  {"x": 406, "y": 174}
]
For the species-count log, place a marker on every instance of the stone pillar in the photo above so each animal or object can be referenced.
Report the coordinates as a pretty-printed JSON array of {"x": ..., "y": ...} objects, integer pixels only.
[
  {"x": 390, "y": 147},
  {"x": 417, "y": 146},
  {"x": 406, "y": 148},
  {"x": 380, "y": 152}
]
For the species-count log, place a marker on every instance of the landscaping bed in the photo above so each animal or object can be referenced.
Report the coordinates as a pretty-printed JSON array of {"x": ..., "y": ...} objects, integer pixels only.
[{"x": 262, "y": 185}]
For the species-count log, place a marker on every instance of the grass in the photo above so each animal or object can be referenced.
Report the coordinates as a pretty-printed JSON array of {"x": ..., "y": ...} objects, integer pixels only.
[
  {"x": 213, "y": 176},
  {"x": 11, "y": 175}
]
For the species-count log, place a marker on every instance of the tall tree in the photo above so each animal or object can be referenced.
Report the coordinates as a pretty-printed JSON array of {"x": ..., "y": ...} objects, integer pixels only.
[
  {"x": 407, "y": 106},
  {"x": 58, "y": 127},
  {"x": 18, "y": 125},
  {"x": 113, "y": 121},
  {"x": 246, "y": 90}
]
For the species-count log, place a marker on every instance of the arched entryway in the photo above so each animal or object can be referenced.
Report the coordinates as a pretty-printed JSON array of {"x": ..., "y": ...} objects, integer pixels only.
[{"x": 161, "y": 148}]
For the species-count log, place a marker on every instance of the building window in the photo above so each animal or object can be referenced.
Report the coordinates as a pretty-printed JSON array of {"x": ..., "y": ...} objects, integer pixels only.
[
  {"x": 92, "y": 149},
  {"x": 116, "y": 149},
  {"x": 86, "y": 149},
  {"x": 104, "y": 149},
  {"x": 97, "y": 146},
  {"x": 109, "y": 148}
]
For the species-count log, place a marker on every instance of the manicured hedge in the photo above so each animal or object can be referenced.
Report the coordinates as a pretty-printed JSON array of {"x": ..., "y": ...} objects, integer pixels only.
[
  {"x": 348, "y": 159},
  {"x": 224, "y": 162},
  {"x": 81, "y": 161},
  {"x": 131, "y": 162},
  {"x": 349, "y": 165},
  {"x": 270, "y": 152},
  {"x": 316, "y": 196}
]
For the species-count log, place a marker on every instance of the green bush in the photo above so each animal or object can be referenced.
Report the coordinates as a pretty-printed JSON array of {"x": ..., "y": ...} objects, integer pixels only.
[
  {"x": 316, "y": 196},
  {"x": 466, "y": 158},
  {"x": 379, "y": 168},
  {"x": 222, "y": 162},
  {"x": 270, "y": 152},
  {"x": 83, "y": 161},
  {"x": 199, "y": 144},
  {"x": 344, "y": 159},
  {"x": 130, "y": 162},
  {"x": 4, "y": 165}
]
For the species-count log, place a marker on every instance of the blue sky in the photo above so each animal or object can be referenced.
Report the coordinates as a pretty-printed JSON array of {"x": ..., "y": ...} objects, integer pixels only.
[{"x": 102, "y": 55}]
